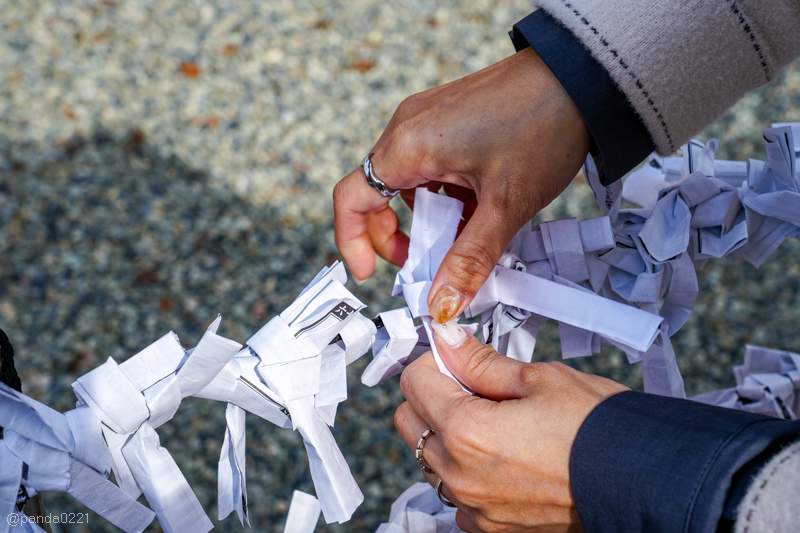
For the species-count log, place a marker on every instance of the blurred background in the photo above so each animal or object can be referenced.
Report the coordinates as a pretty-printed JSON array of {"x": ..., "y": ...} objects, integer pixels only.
[{"x": 165, "y": 161}]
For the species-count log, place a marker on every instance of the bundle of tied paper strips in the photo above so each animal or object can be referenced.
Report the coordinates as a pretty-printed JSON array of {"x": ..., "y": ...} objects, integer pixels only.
[
  {"x": 289, "y": 374},
  {"x": 626, "y": 279}
]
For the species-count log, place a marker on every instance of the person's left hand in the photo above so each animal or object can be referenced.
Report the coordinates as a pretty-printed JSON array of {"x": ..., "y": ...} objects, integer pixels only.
[{"x": 502, "y": 454}]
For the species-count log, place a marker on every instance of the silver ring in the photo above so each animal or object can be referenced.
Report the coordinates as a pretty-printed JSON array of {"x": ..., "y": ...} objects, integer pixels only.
[
  {"x": 439, "y": 494},
  {"x": 418, "y": 454},
  {"x": 376, "y": 182}
]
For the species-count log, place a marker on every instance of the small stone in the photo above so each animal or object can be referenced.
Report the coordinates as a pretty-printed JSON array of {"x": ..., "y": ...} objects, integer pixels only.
[{"x": 190, "y": 70}]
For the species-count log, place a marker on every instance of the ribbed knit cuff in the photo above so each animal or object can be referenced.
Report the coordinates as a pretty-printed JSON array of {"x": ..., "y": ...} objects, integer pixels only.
[
  {"x": 620, "y": 138},
  {"x": 771, "y": 501}
]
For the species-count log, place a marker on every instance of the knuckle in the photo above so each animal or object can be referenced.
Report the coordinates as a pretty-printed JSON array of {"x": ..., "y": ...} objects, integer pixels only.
[
  {"x": 398, "y": 150},
  {"x": 530, "y": 375},
  {"x": 451, "y": 440},
  {"x": 407, "y": 379},
  {"x": 535, "y": 374},
  {"x": 545, "y": 373},
  {"x": 402, "y": 140},
  {"x": 410, "y": 103},
  {"x": 459, "y": 434},
  {"x": 450, "y": 443},
  {"x": 406, "y": 111},
  {"x": 409, "y": 127},
  {"x": 339, "y": 193},
  {"x": 401, "y": 415}
]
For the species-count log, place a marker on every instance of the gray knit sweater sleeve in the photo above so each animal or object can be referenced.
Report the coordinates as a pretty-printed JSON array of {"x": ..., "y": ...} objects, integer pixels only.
[
  {"x": 772, "y": 503},
  {"x": 682, "y": 64}
]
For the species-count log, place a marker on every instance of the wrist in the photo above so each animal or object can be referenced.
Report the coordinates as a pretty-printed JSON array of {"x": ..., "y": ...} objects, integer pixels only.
[
  {"x": 619, "y": 138},
  {"x": 546, "y": 90}
]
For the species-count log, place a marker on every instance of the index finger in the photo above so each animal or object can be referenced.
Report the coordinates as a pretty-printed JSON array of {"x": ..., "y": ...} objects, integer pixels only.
[
  {"x": 432, "y": 394},
  {"x": 353, "y": 200}
]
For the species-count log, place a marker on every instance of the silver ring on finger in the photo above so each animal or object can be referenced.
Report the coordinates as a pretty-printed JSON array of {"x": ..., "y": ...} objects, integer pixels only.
[
  {"x": 441, "y": 497},
  {"x": 374, "y": 181},
  {"x": 420, "y": 447}
]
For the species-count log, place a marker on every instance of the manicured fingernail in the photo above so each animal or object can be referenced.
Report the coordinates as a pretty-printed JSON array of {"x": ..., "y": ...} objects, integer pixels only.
[
  {"x": 445, "y": 305},
  {"x": 451, "y": 332},
  {"x": 359, "y": 282}
]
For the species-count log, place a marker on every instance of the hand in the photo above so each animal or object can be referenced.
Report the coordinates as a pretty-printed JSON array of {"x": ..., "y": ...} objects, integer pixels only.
[
  {"x": 503, "y": 454},
  {"x": 506, "y": 141}
]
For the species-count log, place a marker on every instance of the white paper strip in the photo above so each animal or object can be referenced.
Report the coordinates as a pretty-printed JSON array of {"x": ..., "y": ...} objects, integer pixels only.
[{"x": 303, "y": 513}]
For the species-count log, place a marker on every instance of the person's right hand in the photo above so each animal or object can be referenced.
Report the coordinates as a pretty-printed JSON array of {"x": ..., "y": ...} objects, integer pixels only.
[{"x": 506, "y": 141}]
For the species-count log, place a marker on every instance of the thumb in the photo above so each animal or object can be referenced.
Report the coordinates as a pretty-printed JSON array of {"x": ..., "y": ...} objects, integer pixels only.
[
  {"x": 471, "y": 260},
  {"x": 478, "y": 366}
]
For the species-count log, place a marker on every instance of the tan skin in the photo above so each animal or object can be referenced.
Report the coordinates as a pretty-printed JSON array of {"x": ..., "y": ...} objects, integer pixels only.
[
  {"x": 506, "y": 141},
  {"x": 503, "y": 453}
]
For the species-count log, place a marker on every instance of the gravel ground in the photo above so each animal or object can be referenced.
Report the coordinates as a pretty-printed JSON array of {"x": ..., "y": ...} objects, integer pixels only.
[{"x": 162, "y": 162}]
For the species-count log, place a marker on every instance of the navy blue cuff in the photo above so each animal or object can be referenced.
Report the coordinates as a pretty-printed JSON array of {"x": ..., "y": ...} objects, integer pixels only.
[
  {"x": 643, "y": 462},
  {"x": 620, "y": 138}
]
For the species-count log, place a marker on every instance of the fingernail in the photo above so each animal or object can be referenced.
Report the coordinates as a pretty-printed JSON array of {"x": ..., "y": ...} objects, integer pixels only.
[
  {"x": 451, "y": 332},
  {"x": 445, "y": 305},
  {"x": 359, "y": 282}
]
